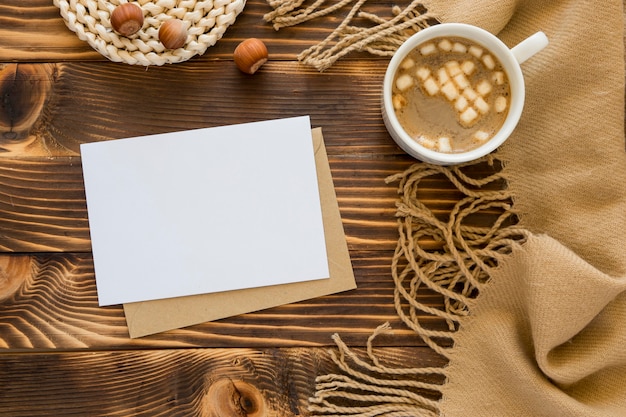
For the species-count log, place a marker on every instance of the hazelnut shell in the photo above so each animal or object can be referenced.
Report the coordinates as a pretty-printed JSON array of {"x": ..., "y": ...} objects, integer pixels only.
[
  {"x": 173, "y": 34},
  {"x": 127, "y": 19},
  {"x": 250, "y": 55}
]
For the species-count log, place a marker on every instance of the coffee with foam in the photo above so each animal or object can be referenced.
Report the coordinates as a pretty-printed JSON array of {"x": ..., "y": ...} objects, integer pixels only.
[{"x": 451, "y": 95}]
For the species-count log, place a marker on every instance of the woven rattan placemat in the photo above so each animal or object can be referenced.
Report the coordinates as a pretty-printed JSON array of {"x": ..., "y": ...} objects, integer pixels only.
[{"x": 206, "y": 23}]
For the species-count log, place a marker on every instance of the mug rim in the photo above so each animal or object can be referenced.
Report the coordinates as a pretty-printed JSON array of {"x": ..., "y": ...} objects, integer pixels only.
[{"x": 479, "y": 36}]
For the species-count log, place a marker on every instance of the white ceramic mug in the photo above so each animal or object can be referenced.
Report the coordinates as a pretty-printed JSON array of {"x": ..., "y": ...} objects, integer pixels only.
[{"x": 510, "y": 60}]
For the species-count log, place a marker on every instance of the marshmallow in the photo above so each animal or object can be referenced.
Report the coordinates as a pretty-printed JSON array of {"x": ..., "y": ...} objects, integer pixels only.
[
  {"x": 500, "y": 104},
  {"x": 450, "y": 91},
  {"x": 459, "y": 47},
  {"x": 445, "y": 45},
  {"x": 426, "y": 142},
  {"x": 483, "y": 88},
  {"x": 407, "y": 64},
  {"x": 431, "y": 86},
  {"x": 481, "y": 105},
  {"x": 461, "y": 81},
  {"x": 399, "y": 101},
  {"x": 422, "y": 73},
  {"x": 443, "y": 144},
  {"x": 489, "y": 62},
  {"x": 468, "y": 67},
  {"x": 442, "y": 76},
  {"x": 453, "y": 68},
  {"x": 497, "y": 77},
  {"x": 476, "y": 51},
  {"x": 404, "y": 82},
  {"x": 468, "y": 117},
  {"x": 460, "y": 104},
  {"x": 428, "y": 49},
  {"x": 481, "y": 136}
]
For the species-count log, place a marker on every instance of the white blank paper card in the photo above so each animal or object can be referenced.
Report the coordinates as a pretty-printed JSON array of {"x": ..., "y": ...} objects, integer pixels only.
[{"x": 203, "y": 211}]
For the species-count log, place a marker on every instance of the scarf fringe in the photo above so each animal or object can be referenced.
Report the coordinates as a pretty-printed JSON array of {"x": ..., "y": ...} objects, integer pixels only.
[
  {"x": 385, "y": 394},
  {"x": 448, "y": 255},
  {"x": 377, "y": 35}
]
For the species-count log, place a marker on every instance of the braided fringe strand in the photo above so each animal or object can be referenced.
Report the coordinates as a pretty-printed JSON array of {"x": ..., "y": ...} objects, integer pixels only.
[
  {"x": 379, "y": 37},
  {"x": 450, "y": 257}
]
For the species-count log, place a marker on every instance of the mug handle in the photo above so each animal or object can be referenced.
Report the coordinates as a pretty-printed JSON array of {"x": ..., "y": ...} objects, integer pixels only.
[{"x": 529, "y": 46}]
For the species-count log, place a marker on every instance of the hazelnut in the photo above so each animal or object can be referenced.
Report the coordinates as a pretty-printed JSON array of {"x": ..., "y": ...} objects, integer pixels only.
[
  {"x": 250, "y": 55},
  {"x": 127, "y": 19},
  {"x": 173, "y": 34}
]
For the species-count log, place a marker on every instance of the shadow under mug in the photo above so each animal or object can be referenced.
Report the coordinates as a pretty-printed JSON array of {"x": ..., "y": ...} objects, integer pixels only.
[{"x": 510, "y": 60}]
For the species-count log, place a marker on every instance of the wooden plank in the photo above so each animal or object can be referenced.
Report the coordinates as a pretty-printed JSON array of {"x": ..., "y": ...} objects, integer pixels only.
[
  {"x": 43, "y": 207},
  {"x": 268, "y": 382},
  {"x": 34, "y": 31},
  {"x": 69, "y": 104},
  {"x": 50, "y": 302}
]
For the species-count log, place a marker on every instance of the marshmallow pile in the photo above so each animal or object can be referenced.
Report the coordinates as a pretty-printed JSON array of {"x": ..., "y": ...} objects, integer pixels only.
[{"x": 453, "y": 81}]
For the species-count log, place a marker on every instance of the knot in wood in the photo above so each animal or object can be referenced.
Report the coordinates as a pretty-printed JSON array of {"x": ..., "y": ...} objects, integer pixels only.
[
  {"x": 24, "y": 90},
  {"x": 232, "y": 398},
  {"x": 14, "y": 271}
]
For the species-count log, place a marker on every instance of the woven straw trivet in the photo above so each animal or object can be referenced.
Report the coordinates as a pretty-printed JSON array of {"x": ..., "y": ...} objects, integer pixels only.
[{"x": 207, "y": 21}]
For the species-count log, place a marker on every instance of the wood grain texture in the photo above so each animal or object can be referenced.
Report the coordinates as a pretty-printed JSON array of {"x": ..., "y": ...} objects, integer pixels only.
[
  {"x": 116, "y": 101},
  {"x": 171, "y": 382},
  {"x": 51, "y": 303},
  {"x": 43, "y": 207}
]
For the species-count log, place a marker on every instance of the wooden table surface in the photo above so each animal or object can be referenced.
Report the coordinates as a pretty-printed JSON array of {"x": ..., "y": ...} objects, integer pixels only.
[{"x": 63, "y": 355}]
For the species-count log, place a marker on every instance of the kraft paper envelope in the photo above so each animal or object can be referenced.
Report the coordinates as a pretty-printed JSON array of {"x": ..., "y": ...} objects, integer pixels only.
[{"x": 150, "y": 317}]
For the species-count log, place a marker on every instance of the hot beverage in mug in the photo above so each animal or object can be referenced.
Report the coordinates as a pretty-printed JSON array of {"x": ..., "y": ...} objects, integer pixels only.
[
  {"x": 451, "y": 94},
  {"x": 454, "y": 92}
]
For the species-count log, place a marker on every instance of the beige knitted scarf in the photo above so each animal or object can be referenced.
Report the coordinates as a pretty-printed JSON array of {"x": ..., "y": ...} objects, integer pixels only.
[{"x": 535, "y": 301}]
